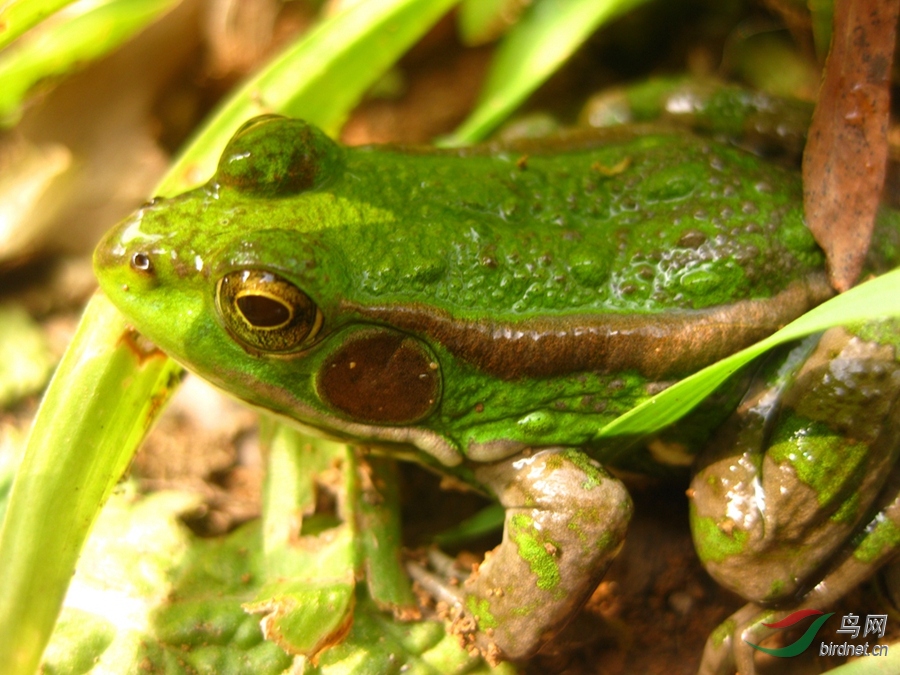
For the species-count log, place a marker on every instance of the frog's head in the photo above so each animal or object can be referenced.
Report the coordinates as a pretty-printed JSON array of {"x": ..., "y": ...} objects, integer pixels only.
[{"x": 235, "y": 281}]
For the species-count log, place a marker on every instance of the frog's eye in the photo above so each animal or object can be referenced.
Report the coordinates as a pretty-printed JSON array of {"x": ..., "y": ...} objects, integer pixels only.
[
  {"x": 266, "y": 313},
  {"x": 274, "y": 156}
]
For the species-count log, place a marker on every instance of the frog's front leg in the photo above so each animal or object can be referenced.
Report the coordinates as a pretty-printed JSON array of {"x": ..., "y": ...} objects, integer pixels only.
[
  {"x": 795, "y": 502},
  {"x": 565, "y": 521}
]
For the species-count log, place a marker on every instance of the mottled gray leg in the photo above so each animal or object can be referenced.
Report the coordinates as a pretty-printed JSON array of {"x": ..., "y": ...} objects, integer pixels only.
[
  {"x": 565, "y": 521},
  {"x": 727, "y": 649},
  {"x": 795, "y": 502}
]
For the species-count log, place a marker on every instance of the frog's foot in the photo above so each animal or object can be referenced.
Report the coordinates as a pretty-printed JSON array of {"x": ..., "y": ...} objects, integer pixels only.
[
  {"x": 801, "y": 484},
  {"x": 443, "y": 582},
  {"x": 565, "y": 521},
  {"x": 442, "y": 579},
  {"x": 730, "y": 647}
]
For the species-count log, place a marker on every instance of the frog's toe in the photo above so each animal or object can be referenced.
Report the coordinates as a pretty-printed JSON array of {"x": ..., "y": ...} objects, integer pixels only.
[
  {"x": 444, "y": 582},
  {"x": 726, "y": 650},
  {"x": 442, "y": 585}
]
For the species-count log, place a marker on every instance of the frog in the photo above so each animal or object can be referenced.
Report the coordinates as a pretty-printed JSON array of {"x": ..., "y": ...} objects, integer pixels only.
[{"x": 485, "y": 311}]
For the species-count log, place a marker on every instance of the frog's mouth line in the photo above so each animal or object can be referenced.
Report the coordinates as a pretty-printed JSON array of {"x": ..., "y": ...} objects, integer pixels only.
[
  {"x": 555, "y": 346},
  {"x": 305, "y": 417},
  {"x": 425, "y": 440}
]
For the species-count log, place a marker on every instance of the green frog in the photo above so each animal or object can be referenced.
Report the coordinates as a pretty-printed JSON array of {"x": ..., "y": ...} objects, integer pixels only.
[{"x": 485, "y": 311}]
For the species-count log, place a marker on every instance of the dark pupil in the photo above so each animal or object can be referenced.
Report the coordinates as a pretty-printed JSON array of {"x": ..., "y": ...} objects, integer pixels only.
[{"x": 263, "y": 312}]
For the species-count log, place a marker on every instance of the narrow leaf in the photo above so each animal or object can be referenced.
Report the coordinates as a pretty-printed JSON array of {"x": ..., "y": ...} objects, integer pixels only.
[
  {"x": 481, "y": 21},
  {"x": 545, "y": 37},
  {"x": 871, "y": 300},
  {"x": 93, "y": 418},
  {"x": 62, "y": 46},
  {"x": 17, "y": 16}
]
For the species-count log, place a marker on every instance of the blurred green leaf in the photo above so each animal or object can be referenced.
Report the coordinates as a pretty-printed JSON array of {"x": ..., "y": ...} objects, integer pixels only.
[
  {"x": 58, "y": 47},
  {"x": 17, "y": 16},
  {"x": 548, "y": 33},
  {"x": 822, "y": 14},
  {"x": 481, "y": 21},
  {"x": 148, "y": 595},
  {"x": 103, "y": 395}
]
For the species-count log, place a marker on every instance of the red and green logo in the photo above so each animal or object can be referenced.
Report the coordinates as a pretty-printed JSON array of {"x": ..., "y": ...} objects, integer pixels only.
[{"x": 804, "y": 641}]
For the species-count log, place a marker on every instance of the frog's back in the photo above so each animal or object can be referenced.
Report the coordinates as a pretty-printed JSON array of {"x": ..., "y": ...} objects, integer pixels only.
[{"x": 646, "y": 224}]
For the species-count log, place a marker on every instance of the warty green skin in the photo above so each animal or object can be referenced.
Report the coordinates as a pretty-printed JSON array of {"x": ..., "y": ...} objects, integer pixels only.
[{"x": 538, "y": 291}]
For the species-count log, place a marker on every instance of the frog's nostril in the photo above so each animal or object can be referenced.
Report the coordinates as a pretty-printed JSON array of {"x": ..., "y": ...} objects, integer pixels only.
[{"x": 140, "y": 262}]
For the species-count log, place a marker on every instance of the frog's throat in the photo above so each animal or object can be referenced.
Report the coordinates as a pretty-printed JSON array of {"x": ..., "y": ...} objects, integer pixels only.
[{"x": 657, "y": 346}]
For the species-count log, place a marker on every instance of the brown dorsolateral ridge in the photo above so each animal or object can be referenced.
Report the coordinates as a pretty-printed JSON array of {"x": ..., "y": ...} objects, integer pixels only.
[{"x": 657, "y": 346}]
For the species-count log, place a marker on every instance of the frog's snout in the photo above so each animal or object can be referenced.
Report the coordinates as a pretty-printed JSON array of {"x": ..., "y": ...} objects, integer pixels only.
[
  {"x": 109, "y": 253},
  {"x": 121, "y": 258}
]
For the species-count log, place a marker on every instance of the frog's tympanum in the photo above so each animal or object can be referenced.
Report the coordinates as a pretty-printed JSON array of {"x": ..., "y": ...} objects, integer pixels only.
[{"x": 488, "y": 310}]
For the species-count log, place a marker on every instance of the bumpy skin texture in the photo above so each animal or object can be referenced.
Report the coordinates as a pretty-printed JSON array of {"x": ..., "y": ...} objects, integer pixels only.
[{"x": 486, "y": 311}]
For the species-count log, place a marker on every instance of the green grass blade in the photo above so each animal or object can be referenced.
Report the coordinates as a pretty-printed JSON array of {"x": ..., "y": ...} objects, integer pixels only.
[
  {"x": 879, "y": 297},
  {"x": 319, "y": 78},
  {"x": 63, "y": 46},
  {"x": 545, "y": 37},
  {"x": 17, "y": 16},
  {"x": 103, "y": 397},
  {"x": 481, "y": 21}
]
